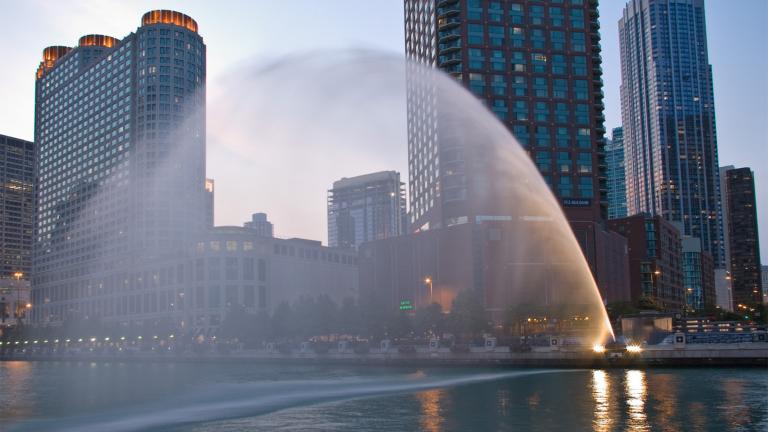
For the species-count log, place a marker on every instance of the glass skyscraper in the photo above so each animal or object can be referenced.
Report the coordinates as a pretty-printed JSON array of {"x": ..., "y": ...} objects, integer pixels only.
[
  {"x": 617, "y": 181},
  {"x": 668, "y": 116},
  {"x": 365, "y": 208},
  {"x": 120, "y": 128}
]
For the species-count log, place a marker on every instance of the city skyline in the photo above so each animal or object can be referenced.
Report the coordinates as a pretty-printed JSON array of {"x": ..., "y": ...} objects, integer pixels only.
[{"x": 730, "y": 65}]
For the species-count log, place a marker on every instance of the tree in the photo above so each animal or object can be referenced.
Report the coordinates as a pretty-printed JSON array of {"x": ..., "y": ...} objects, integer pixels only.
[
  {"x": 350, "y": 321},
  {"x": 429, "y": 321},
  {"x": 281, "y": 321},
  {"x": 467, "y": 315}
]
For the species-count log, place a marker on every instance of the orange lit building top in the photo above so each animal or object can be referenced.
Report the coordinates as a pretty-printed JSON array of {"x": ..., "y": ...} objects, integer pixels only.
[
  {"x": 169, "y": 17},
  {"x": 97, "y": 40},
  {"x": 50, "y": 55}
]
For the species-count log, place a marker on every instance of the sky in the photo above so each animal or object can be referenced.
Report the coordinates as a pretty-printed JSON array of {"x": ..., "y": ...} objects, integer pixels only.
[{"x": 241, "y": 32}]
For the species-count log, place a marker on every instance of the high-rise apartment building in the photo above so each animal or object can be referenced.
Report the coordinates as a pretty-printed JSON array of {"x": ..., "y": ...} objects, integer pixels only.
[
  {"x": 536, "y": 65},
  {"x": 365, "y": 208},
  {"x": 617, "y": 180},
  {"x": 668, "y": 116},
  {"x": 17, "y": 206},
  {"x": 743, "y": 242},
  {"x": 120, "y": 132}
]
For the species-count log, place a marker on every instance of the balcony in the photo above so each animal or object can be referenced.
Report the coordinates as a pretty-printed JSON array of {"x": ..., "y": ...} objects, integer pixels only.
[
  {"x": 447, "y": 60},
  {"x": 448, "y": 22},
  {"x": 445, "y": 48},
  {"x": 448, "y": 10},
  {"x": 449, "y": 34}
]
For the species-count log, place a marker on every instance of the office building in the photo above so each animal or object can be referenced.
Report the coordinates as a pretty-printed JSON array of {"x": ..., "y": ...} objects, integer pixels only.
[
  {"x": 698, "y": 276},
  {"x": 366, "y": 208},
  {"x": 239, "y": 266},
  {"x": 120, "y": 133},
  {"x": 260, "y": 225},
  {"x": 617, "y": 176},
  {"x": 743, "y": 238},
  {"x": 655, "y": 254},
  {"x": 668, "y": 117},
  {"x": 17, "y": 206}
]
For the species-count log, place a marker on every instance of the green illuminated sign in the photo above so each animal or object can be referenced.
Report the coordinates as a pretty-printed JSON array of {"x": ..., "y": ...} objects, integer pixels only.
[{"x": 406, "y": 305}]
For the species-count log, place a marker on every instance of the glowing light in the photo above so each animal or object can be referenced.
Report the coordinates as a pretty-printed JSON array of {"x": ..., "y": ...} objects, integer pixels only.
[
  {"x": 634, "y": 348},
  {"x": 598, "y": 348},
  {"x": 601, "y": 395},
  {"x": 93, "y": 339}
]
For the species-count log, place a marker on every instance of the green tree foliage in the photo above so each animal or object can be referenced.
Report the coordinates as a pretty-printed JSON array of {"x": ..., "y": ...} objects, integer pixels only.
[{"x": 468, "y": 316}]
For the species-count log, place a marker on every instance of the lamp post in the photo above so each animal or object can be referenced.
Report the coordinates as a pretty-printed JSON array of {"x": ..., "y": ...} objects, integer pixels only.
[
  {"x": 428, "y": 282},
  {"x": 18, "y": 308}
]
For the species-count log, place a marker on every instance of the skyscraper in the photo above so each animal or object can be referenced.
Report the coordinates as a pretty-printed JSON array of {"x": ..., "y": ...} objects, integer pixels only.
[
  {"x": 120, "y": 128},
  {"x": 17, "y": 206},
  {"x": 536, "y": 65},
  {"x": 743, "y": 242},
  {"x": 365, "y": 208},
  {"x": 617, "y": 180},
  {"x": 668, "y": 116},
  {"x": 17, "y": 210}
]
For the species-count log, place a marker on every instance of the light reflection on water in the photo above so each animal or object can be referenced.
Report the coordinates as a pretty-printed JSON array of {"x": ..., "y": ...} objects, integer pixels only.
[
  {"x": 431, "y": 415},
  {"x": 636, "y": 392},
  {"x": 734, "y": 409},
  {"x": 15, "y": 380},
  {"x": 614, "y": 400},
  {"x": 601, "y": 389}
]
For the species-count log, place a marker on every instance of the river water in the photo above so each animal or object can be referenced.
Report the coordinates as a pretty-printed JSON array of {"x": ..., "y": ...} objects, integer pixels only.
[{"x": 85, "y": 396}]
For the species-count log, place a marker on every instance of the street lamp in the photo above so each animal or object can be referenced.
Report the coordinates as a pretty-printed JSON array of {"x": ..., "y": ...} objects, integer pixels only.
[
  {"x": 18, "y": 310},
  {"x": 428, "y": 282}
]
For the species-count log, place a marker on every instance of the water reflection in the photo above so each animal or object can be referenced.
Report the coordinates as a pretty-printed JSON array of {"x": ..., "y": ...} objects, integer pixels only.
[
  {"x": 636, "y": 392},
  {"x": 735, "y": 410},
  {"x": 15, "y": 391},
  {"x": 665, "y": 401},
  {"x": 601, "y": 390},
  {"x": 431, "y": 418}
]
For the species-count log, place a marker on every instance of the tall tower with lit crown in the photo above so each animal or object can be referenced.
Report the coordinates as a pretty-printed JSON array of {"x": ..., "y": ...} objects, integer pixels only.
[{"x": 120, "y": 130}]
